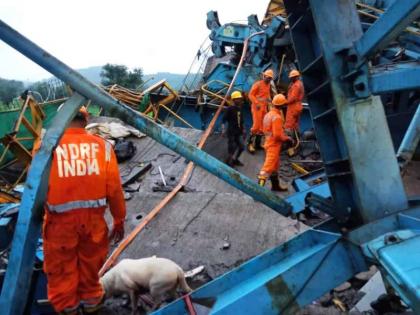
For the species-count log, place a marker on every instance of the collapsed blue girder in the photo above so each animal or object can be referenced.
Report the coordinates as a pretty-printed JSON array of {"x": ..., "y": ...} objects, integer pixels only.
[
  {"x": 15, "y": 287},
  {"x": 395, "y": 77},
  {"x": 361, "y": 168},
  {"x": 155, "y": 131},
  {"x": 396, "y": 18}
]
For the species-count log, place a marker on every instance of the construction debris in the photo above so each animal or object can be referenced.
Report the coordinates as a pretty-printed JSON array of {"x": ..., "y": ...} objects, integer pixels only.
[
  {"x": 17, "y": 144},
  {"x": 113, "y": 130}
]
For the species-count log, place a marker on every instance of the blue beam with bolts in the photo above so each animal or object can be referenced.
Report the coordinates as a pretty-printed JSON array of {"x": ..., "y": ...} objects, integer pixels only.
[{"x": 395, "y": 77}]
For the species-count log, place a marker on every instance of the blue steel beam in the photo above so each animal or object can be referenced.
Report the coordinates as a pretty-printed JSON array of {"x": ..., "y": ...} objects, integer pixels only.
[
  {"x": 150, "y": 128},
  {"x": 365, "y": 134},
  {"x": 395, "y": 77},
  {"x": 28, "y": 227},
  {"x": 279, "y": 281},
  {"x": 411, "y": 139},
  {"x": 395, "y": 19}
]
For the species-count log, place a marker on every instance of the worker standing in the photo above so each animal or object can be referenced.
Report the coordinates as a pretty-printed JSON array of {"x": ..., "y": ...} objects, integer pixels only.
[
  {"x": 260, "y": 96},
  {"x": 235, "y": 129},
  {"x": 84, "y": 178},
  {"x": 295, "y": 95},
  {"x": 274, "y": 138}
]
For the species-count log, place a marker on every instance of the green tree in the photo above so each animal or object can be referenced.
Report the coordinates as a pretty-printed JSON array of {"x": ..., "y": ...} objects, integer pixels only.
[
  {"x": 119, "y": 74},
  {"x": 9, "y": 89}
]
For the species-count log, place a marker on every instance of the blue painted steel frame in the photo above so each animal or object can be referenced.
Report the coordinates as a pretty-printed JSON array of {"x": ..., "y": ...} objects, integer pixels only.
[
  {"x": 395, "y": 77},
  {"x": 155, "y": 131},
  {"x": 395, "y": 19},
  {"x": 244, "y": 290},
  {"x": 13, "y": 299}
]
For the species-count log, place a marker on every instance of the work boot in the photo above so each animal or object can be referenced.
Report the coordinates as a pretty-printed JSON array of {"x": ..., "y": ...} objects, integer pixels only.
[
  {"x": 230, "y": 161},
  {"x": 276, "y": 185},
  {"x": 261, "y": 181},
  {"x": 237, "y": 162},
  {"x": 258, "y": 145},
  {"x": 251, "y": 144}
]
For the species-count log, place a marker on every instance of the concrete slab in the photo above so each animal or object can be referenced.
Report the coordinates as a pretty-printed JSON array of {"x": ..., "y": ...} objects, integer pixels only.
[{"x": 192, "y": 229}]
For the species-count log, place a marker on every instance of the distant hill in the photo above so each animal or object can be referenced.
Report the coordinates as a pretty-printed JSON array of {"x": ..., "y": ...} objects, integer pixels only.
[
  {"x": 92, "y": 73},
  {"x": 174, "y": 79}
]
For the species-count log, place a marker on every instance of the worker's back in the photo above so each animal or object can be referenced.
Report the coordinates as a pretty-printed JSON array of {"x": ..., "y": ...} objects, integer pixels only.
[
  {"x": 272, "y": 126},
  {"x": 82, "y": 175},
  {"x": 84, "y": 178}
]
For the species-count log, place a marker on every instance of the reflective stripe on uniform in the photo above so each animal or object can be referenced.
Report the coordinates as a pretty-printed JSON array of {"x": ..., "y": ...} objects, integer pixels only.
[
  {"x": 78, "y": 204},
  {"x": 107, "y": 151}
]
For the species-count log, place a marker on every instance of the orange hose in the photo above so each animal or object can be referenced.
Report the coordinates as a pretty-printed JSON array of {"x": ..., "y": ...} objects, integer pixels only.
[{"x": 130, "y": 237}]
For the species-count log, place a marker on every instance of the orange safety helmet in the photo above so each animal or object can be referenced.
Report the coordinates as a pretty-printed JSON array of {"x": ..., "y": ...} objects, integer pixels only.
[
  {"x": 269, "y": 73},
  {"x": 279, "y": 100},
  {"x": 294, "y": 73}
]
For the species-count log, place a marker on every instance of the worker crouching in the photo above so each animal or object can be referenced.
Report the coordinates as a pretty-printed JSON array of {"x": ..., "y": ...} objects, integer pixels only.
[
  {"x": 84, "y": 178},
  {"x": 260, "y": 96},
  {"x": 235, "y": 129},
  {"x": 274, "y": 138}
]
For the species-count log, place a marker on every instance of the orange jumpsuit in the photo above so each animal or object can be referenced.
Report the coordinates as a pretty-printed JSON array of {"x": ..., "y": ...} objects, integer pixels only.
[
  {"x": 84, "y": 178},
  {"x": 295, "y": 96},
  {"x": 259, "y": 96},
  {"x": 274, "y": 137}
]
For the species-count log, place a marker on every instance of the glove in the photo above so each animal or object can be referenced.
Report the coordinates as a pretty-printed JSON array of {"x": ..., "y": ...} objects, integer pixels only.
[{"x": 117, "y": 233}]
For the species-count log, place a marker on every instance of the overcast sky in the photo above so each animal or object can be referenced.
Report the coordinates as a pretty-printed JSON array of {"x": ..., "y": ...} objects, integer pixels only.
[{"x": 159, "y": 36}]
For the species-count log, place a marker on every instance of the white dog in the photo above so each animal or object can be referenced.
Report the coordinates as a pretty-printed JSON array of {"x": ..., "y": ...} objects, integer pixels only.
[{"x": 158, "y": 276}]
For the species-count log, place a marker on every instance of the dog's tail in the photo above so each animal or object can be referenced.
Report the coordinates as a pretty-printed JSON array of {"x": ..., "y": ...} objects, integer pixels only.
[{"x": 182, "y": 282}]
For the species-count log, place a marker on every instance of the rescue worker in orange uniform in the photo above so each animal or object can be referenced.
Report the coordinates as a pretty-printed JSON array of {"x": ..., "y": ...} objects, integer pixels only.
[
  {"x": 295, "y": 95},
  {"x": 260, "y": 96},
  {"x": 274, "y": 138},
  {"x": 84, "y": 179}
]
